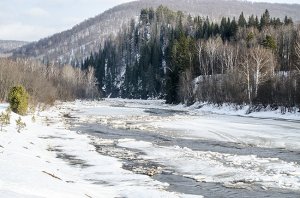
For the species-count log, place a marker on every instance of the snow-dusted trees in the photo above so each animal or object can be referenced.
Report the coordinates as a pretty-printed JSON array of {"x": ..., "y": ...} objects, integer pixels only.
[{"x": 183, "y": 59}]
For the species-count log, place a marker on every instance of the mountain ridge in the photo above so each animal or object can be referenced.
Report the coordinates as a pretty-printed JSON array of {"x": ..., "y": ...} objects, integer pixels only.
[
  {"x": 73, "y": 45},
  {"x": 6, "y": 46}
]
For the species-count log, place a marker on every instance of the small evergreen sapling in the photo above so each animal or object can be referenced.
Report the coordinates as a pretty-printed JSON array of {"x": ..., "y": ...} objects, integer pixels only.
[
  {"x": 33, "y": 119},
  {"x": 5, "y": 118},
  {"x": 20, "y": 125}
]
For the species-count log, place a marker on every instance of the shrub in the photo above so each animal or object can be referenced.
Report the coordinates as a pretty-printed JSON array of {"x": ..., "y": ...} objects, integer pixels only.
[
  {"x": 20, "y": 125},
  {"x": 4, "y": 119},
  {"x": 33, "y": 118},
  {"x": 18, "y": 100}
]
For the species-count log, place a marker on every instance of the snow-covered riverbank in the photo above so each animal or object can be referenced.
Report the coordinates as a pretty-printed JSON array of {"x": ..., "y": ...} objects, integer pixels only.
[
  {"x": 191, "y": 123},
  {"x": 48, "y": 159}
]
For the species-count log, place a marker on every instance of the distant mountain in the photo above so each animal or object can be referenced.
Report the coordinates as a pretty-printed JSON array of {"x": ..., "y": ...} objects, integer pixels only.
[
  {"x": 73, "y": 45},
  {"x": 7, "y": 46}
]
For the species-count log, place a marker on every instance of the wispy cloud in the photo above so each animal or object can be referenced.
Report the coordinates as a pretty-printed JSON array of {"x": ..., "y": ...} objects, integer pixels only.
[
  {"x": 23, "y": 32},
  {"x": 32, "y": 20},
  {"x": 37, "y": 12},
  {"x": 277, "y": 1}
]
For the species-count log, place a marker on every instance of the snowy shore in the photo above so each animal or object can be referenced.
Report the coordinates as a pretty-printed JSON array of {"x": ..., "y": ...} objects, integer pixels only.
[{"x": 47, "y": 159}]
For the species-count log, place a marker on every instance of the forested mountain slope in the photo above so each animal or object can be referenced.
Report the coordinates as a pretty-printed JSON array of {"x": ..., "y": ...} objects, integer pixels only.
[
  {"x": 72, "y": 45},
  {"x": 180, "y": 58},
  {"x": 7, "y": 46}
]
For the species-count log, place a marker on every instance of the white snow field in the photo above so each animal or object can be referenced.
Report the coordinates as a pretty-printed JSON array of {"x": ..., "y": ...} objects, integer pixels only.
[{"x": 49, "y": 159}]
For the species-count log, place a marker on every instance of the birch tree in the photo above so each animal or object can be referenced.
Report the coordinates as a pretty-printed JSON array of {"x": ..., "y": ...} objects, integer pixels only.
[
  {"x": 297, "y": 51},
  {"x": 211, "y": 47},
  {"x": 247, "y": 71},
  {"x": 91, "y": 82},
  {"x": 262, "y": 65},
  {"x": 200, "y": 48}
]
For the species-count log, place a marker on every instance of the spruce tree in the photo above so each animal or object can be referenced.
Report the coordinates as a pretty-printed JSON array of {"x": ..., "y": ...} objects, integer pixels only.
[
  {"x": 288, "y": 21},
  {"x": 18, "y": 100},
  {"x": 265, "y": 20},
  {"x": 242, "y": 21},
  {"x": 270, "y": 43},
  {"x": 251, "y": 21}
]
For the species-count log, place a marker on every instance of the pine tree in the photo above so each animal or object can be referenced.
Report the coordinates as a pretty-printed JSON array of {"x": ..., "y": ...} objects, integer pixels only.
[
  {"x": 265, "y": 20},
  {"x": 288, "y": 21},
  {"x": 144, "y": 16},
  {"x": 242, "y": 21},
  {"x": 233, "y": 28},
  {"x": 251, "y": 21},
  {"x": 257, "y": 25}
]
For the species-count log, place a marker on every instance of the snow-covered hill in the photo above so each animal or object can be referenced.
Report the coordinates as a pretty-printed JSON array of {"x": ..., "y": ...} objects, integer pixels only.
[
  {"x": 72, "y": 45},
  {"x": 7, "y": 46}
]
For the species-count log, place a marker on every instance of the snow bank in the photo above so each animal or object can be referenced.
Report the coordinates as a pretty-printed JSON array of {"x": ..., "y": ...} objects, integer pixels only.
[
  {"x": 48, "y": 160},
  {"x": 29, "y": 169},
  {"x": 230, "y": 109}
]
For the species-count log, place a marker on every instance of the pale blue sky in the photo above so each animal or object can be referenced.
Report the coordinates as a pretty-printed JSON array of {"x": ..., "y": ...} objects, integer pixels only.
[
  {"x": 30, "y": 20},
  {"x": 278, "y": 1}
]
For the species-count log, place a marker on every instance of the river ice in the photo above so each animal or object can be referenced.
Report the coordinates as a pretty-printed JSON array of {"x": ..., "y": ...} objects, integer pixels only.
[{"x": 50, "y": 159}]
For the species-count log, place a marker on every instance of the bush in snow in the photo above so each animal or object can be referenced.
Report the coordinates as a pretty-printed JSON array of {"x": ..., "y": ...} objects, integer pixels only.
[
  {"x": 18, "y": 100},
  {"x": 33, "y": 118},
  {"x": 20, "y": 124},
  {"x": 5, "y": 118}
]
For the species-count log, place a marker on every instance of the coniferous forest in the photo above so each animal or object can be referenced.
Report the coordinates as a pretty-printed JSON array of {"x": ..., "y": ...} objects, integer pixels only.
[{"x": 170, "y": 55}]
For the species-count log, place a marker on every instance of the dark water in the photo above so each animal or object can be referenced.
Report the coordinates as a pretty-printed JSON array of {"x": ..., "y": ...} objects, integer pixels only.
[
  {"x": 179, "y": 183},
  {"x": 190, "y": 186},
  {"x": 194, "y": 144}
]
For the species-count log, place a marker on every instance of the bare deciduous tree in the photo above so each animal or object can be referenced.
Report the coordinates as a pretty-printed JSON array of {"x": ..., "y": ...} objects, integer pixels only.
[
  {"x": 186, "y": 87},
  {"x": 297, "y": 50},
  {"x": 199, "y": 48},
  {"x": 46, "y": 83},
  {"x": 227, "y": 57},
  {"x": 262, "y": 65},
  {"x": 91, "y": 82},
  {"x": 211, "y": 48},
  {"x": 247, "y": 73}
]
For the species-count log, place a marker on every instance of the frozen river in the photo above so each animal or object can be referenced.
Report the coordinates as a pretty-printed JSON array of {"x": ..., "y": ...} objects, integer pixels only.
[{"x": 195, "y": 152}]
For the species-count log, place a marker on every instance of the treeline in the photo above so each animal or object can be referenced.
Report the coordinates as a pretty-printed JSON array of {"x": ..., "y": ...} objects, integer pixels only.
[
  {"x": 186, "y": 59},
  {"x": 46, "y": 83}
]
